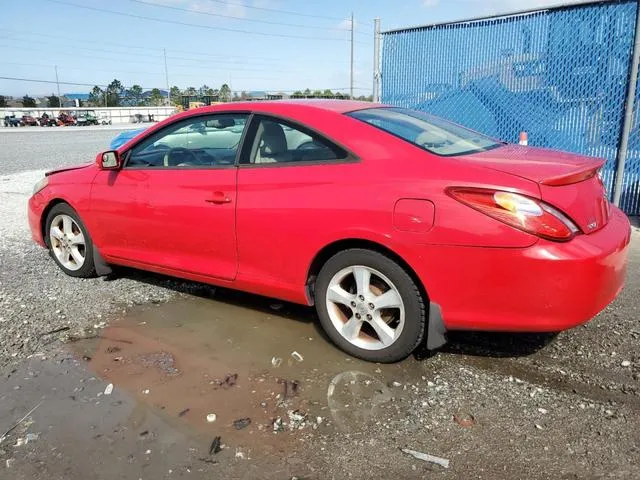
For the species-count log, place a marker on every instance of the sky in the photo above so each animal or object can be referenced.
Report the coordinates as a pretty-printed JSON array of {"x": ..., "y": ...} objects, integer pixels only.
[{"x": 279, "y": 45}]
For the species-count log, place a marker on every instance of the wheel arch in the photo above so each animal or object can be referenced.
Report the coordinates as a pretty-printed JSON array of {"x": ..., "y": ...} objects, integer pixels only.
[
  {"x": 345, "y": 244},
  {"x": 45, "y": 213}
]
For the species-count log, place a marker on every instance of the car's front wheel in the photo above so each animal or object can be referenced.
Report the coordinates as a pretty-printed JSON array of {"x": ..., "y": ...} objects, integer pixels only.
[
  {"x": 370, "y": 306},
  {"x": 69, "y": 242}
]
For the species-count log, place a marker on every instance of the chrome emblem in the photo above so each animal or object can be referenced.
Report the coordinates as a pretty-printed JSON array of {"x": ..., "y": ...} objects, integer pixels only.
[{"x": 592, "y": 225}]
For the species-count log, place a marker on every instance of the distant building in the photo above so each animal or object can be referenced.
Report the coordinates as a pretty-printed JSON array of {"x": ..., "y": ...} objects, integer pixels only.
[
  {"x": 264, "y": 95},
  {"x": 76, "y": 96},
  {"x": 74, "y": 99}
]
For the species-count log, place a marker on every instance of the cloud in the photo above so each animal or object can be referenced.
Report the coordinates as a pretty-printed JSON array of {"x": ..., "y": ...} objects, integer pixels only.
[
  {"x": 228, "y": 7},
  {"x": 171, "y": 3},
  {"x": 346, "y": 24},
  {"x": 430, "y": 3}
]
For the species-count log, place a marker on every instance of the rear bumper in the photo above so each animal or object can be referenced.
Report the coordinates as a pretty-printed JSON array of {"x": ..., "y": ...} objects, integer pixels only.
[{"x": 544, "y": 288}]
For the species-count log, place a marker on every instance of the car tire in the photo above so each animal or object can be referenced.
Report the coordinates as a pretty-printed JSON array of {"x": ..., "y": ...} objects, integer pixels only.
[
  {"x": 69, "y": 242},
  {"x": 356, "y": 315}
]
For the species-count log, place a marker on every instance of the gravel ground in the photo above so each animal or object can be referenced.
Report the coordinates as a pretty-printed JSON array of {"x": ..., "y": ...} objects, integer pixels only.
[
  {"x": 32, "y": 148},
  {"x": 565, "y": 406},
  {"x": 36, "y": 296}
]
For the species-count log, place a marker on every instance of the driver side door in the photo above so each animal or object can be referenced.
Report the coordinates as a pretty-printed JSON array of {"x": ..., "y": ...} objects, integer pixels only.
[{"x": 185, "y": 214}]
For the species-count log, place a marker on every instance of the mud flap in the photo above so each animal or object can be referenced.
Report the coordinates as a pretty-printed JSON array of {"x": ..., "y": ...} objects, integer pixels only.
[
  {"x": 436, "y": 335},
  {"x": 102, "y": 268}
]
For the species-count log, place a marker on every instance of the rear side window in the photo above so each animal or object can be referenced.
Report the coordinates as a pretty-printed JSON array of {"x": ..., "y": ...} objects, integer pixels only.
[
  {"x": 278, "y": 141},
  {"x": 426, "y": 131}
]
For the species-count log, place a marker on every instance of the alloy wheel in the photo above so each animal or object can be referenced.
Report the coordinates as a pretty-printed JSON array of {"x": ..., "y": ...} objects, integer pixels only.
[
  {"x": 365, "y": 307},
  {"x": 67, "y": 242}
]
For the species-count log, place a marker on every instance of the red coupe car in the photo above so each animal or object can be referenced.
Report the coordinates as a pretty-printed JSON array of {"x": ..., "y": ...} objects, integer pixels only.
[{"x": 396, "y": 225}]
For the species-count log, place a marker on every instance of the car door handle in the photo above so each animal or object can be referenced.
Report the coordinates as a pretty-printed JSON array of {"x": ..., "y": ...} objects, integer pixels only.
[{"x": 219, "y": 198}]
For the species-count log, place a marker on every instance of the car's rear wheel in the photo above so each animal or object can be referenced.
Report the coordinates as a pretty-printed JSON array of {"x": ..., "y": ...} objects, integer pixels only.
[
  {"x": 370, "y": 306},
  {"x": 69, "y": 242}
]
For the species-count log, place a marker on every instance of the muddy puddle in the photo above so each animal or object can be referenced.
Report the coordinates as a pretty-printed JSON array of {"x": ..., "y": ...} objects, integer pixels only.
[
  {"x": 256, "y": 373},
  {"x": 219, "y": 371}
]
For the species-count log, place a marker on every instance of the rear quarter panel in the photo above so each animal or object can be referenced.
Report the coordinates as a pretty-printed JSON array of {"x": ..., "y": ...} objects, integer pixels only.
[{"x": 287, "y": 213}]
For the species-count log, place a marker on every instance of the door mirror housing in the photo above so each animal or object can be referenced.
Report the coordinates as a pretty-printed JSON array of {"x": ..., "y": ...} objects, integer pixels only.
[{"x": 109, "y": 160}]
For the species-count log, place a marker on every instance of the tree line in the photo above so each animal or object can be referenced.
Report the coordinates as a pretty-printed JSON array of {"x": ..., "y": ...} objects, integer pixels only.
[
  {"x": 30, "y": 102},
  {"x": 116, "y": 95},
  {"x": 328, "y": 94}
]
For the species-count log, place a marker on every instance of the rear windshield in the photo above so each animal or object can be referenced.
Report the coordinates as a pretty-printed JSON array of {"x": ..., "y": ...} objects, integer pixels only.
[{"x": 426, "y": 131}]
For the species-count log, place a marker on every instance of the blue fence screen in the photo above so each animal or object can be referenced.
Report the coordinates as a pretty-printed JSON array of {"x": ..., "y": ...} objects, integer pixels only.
[{"x": 560, "y": 74}]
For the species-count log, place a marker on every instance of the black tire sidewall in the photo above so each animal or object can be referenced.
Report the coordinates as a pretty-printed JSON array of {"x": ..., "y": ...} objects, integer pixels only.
[
  {"x": 415, "y": 310},
  {"x": 88, "y": 268}
]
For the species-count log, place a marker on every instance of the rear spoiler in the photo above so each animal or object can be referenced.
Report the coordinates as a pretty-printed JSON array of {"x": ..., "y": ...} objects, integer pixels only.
[{"x": 583, "y": 173}]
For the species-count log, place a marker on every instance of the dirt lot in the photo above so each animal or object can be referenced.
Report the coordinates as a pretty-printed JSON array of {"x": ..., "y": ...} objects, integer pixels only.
[{"x": 495, "y": 406}]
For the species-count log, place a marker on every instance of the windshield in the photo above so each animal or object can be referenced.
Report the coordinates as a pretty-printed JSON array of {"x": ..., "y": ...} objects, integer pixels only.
[{"x": 426, "y": 131}]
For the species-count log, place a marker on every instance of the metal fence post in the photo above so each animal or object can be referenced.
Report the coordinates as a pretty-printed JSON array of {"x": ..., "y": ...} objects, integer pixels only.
[
  {"x": 628, "y": 112},
  {"x": 351, "y": 70},
  {"x": 376, "y": 60}
]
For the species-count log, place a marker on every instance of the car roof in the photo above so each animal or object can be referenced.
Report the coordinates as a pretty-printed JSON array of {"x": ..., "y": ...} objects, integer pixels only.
[
  {"x": 338, "y": 106},
  {"x": 281, "y": 107}
]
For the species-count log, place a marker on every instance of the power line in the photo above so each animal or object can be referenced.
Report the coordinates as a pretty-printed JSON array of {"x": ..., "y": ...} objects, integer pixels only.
[
  {"x": 135, "y": 54},
  {"x": 129, "y": 46},
  {"x": 52, "y": 81},
  {"x": 25, "y": 33},
  {"x": 286, "y": 12},
  {"x": 33, "y": 80},
  {"x": 63, "y": 67},
  {"x": 232, "y": 67},
  {"x": 268, "y": 60},
  {"x": 206, "y": 72},
  {"x": 66, "y": 37},
  {"x": 233, "y": 77},
  {"x": 100, "y": 50},
  {"x": 84, "y": 56},
  {"x": 240, "y": 64},
  {"x": 195, "y": 25},
  {"x": 243, "y": 19}
]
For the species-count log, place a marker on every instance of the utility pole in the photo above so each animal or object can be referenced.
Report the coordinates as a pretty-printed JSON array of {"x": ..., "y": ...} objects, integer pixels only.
[
  {"x": 628, "y": 113},
  {"x": 58, "y": 84},
  {"x": 351, "y": 76},
  {"x": 376, "y": 60},
  {"x": 166, "y": 75}
]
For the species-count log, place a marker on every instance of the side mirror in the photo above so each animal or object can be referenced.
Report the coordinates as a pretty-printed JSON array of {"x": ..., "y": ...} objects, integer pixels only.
[{"x": 109, "y": 160}]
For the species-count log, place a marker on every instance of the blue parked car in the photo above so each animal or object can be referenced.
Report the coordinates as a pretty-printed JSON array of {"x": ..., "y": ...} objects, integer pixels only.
[{"x": 124, "y": 137}]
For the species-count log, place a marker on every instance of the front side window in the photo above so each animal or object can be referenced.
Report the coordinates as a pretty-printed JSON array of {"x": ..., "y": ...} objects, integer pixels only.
[
  {"x": 277, "y": 141},
  {"x": 207, "y": 141},
  {"x": 426, "y": 131}
]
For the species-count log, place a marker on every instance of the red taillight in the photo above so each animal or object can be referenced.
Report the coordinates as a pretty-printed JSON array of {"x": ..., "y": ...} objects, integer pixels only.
[{"x": 524, "y": 213}]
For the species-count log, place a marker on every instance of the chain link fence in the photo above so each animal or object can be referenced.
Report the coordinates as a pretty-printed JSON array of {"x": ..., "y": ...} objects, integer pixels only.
[{"x": 559, "y": 74}]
